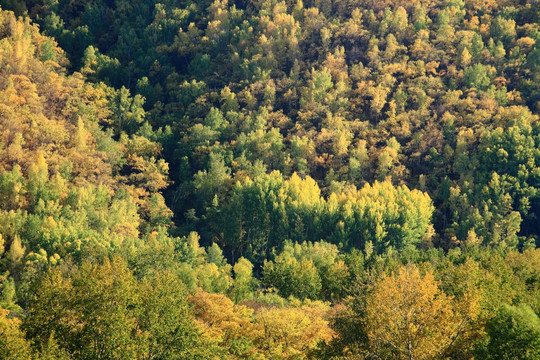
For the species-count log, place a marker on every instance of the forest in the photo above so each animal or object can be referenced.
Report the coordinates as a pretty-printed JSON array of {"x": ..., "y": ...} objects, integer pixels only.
[{"x": 269, "y": 179}]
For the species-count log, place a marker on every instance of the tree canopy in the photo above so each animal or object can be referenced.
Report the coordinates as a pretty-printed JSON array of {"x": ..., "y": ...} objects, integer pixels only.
[{"x": 269, "y": 179}]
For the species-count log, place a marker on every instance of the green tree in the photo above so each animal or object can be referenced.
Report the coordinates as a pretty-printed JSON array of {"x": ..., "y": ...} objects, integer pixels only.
[
  {"x": 164, "y": 321},
  {"x": 88, "y": 313},
  {"x": 478, "y": 76},
  {"x": 513, "y": 333},
  {"x": 291, "y": 277},
  {"x": 128, "y": 112},
  {"x": 243, "y": 283}
]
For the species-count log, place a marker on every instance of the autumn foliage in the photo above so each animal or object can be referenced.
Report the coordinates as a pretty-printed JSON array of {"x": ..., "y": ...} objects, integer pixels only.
[{"x": 269, "y": 179}]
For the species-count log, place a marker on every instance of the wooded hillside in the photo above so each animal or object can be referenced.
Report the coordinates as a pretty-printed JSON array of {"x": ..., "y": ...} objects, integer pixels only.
[{"x": 330, "y": 179}]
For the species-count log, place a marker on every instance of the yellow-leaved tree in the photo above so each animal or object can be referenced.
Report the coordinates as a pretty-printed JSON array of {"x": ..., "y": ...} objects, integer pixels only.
[
  {"x": 223, "y": 323},
  {"x": 294, "y": 331},
  {"x": 410, "y": 317},
  {"x": 13, "y": 345}
]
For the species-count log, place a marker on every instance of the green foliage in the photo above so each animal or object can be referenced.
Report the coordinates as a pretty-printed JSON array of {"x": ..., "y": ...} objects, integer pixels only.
[
  {"x": 478, "y": 76},
  {"x": 102, "y": 310},
  {"x": 264, "y": 212},
  {"x": 385, "y": 215},
  {"x": 514, "y": 332},
  {"x": 313, "y": 270},
  {"x": 127, "y": 112},
  {"x": 243, "y": 283},
  {"x": 292, "y": 277}
]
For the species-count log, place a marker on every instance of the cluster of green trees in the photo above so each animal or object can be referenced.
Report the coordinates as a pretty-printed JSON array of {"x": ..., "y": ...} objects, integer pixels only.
[
  {"x": 253, "y": 179},
  {"x": 263, "y": 212}
]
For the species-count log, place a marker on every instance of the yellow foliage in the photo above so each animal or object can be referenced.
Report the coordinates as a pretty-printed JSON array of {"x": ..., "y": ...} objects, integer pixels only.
[
  {"x": 409, "y": 317},
  {"x": 305, "y": 192},
  {"x": 219, "y": 318},
  {"x": 287, "y": 332},
  {"x": 13, "y": 345},
  {"x": 291, "y": 332}
]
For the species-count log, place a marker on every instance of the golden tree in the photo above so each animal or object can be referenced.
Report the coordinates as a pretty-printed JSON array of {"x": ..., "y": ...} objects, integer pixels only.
[
  {"x": 409, "y": 317},
  {"x": 292, "y": 332}
]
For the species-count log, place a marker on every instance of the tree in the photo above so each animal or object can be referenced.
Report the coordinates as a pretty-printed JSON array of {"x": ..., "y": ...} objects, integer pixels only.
[
  {"x": 478, "y": 76},
  {"x": 503, "y": 29},
  {"x": 382, "y": 214},
  {"x": 514, "y": 333},
  {"x": 316, "y": 96},
  {"x": 292, "y": 277},
  {"x": 477, "y": 45},
  {"x": 88, "y": 313},
  {"x": 212, "y": 182},
  {"x": 508, "y": 166},
  {"x": 294, "y": 331},
  {"x": 166, "y": 330},
  {"x": 128, "y": 112},
  {"x": 388, "y": 159},
  {"x": 13, "y": 345},
  {"x": 409, "y": 317},
  {"x": 224, "y": 323},
  {"x": 465, "y": 57},
  {"x": 243, "y": 283},
  {"x": 101, "y": 311}
]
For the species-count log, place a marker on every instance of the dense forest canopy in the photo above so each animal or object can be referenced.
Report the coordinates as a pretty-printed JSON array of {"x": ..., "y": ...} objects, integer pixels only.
[{"x": 330, "y": 179}]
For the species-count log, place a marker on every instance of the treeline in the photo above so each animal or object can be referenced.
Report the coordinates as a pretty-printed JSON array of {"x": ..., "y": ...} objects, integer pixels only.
[{"x": 269, "y": 179}]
